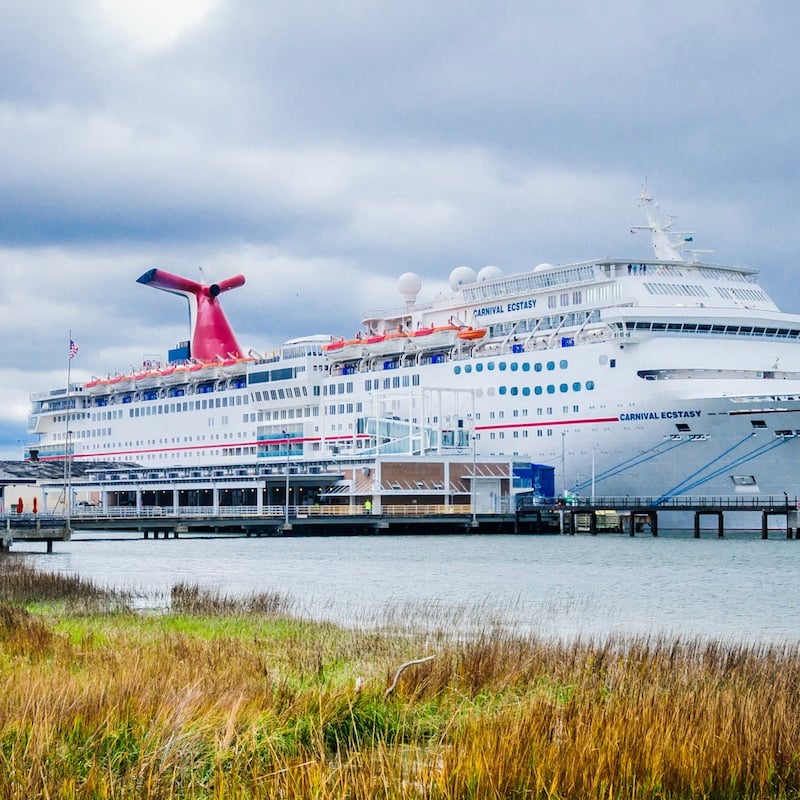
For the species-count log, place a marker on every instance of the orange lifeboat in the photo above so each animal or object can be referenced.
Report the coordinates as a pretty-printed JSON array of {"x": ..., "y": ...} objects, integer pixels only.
[{"x": 471, "y": 334}]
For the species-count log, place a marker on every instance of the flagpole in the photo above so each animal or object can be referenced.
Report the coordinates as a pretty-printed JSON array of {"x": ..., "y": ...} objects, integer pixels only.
[{"x": 67, "y": 464}]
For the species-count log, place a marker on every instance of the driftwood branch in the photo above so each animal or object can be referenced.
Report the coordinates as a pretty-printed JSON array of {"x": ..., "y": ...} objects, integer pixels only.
[{"x": 400, "y": 670}]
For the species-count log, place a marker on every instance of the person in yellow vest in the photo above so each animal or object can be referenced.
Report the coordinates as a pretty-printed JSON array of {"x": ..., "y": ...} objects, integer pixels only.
[{"x": 368, "y": 506}]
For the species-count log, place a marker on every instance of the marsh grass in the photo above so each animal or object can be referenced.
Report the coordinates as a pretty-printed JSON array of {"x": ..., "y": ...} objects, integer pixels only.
[{"x": 220, "y": 697}]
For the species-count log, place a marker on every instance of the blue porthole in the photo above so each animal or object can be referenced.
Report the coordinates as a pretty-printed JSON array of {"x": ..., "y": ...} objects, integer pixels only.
[
  {"x": 537, "y": 367},
  {"x": 501, "y": 390},
  {"x": 537, "y": 389},
  {"x": 551, "y": 389},
  {"x": 514, "y": 366},
  {"x": 457, "y": 369},
  {"x": 490, "y": 366},
  {"x": 468, "y": 368},
  {"x": 502, "y": 366},
  {"x": 589, "y": 385},
  {"x": 563, "y": 388},
  {"x": 576, "y": 387},
  {"x": 479, "y": 368},
  {"x": 563, "y": 364},
  {"x": 526, "y": 391},
  {"x": 551, "y": 365},
  {"x": 526, "y": 367},
  {"x": 514, "y": 391}
]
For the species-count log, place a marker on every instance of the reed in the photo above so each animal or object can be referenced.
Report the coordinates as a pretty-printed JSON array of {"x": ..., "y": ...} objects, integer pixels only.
[{"x": 225, "y": 698}]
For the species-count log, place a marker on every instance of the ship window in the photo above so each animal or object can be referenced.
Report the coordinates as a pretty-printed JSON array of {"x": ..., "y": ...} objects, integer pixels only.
[
  {"x": 563, "y": 388},
  {"x": 537, "y": 389},
  {"x": 526, "y": 367},
  {"x": 551, "y": 365},
  {"x": 563, "y": 364},
  {"x": 502, "y": 366},
  {"x": 682, "y": 427},
  {"x": 744, "y": 480},
  {"x": 612, "y": 362},
  {"x": 526, "y": 391},
  {"x": 490, "y": 366},
  {"x": 467, "y": 368},
  {"x": 479, "y": 367},
  {"x": 502, "y": 390},
  {"x": 537, "y": 367},
  {"x": 589, "y": 385},
  {"x": 758, "y": 423},
  {"x": 551, "y": 389},
  {"x": 514, "y": 390},
  {"x": 576, "y": 387}
]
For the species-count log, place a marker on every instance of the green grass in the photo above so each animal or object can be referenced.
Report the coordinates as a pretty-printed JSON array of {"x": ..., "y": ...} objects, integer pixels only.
[{"x": 222, "y": 697}]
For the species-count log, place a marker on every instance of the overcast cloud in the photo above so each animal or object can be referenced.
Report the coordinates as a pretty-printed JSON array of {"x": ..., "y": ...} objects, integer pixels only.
[{"x": 323, "y": 151}]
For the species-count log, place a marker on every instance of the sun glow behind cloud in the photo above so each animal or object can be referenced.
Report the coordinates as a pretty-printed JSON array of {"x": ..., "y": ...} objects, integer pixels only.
[{"x": 155, "y": 24}]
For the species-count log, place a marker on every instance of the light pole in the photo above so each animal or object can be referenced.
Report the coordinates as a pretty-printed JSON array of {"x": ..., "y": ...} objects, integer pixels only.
[
  {"x": 563, "y": 465},
  {"x": 472, "y": 483},
  {"x": 286, "y": 517}
]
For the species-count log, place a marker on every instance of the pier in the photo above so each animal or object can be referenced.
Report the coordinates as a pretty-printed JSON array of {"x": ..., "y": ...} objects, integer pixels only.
[
  {"x": 629, "y": 514},
  {"x": 34, "y": 528},
  {"x": 532, "y": 515}
]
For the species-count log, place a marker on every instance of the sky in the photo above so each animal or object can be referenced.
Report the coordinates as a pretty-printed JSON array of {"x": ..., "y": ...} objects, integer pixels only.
[{"x": 322, "y": 150}]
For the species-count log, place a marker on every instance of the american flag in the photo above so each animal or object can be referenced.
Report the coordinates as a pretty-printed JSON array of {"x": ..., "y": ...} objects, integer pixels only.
[{"x": 73, "y": 348}]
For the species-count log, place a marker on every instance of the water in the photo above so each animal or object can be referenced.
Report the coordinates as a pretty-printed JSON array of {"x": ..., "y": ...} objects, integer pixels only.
[{"x": 740, "y": 588}]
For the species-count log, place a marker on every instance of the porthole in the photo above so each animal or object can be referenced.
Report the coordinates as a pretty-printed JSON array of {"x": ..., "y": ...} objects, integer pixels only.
[
  {"x": 457, "y": 369},
  {"x": 576, "y": 387},
  {"x": 537, "y": 389},
  {"x": 526, "y": 367},
  {"x": 563, "y": 388},
  {"x": 526, "y": 391},
  {"x": 551, "y": 365},
  {"x": 589, "y": 385},
  {"x": 563, "y": 364},
  {"x": 551, "y": 389}
]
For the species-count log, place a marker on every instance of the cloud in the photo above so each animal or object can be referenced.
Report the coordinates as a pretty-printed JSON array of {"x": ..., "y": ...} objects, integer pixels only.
[{"x": 323, "y": 152}]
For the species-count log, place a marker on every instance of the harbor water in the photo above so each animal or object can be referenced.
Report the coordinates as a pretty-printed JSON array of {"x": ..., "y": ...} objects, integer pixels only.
[{"x": 740, "y": 588}]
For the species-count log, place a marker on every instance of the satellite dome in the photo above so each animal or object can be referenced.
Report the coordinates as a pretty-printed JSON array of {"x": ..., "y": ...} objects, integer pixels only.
[
  {"x": 461, "y": 276},
  {"x": 489, "y": 273},
  {"x": 540, "y": 267},
  {"x": 409, "y": 284}
]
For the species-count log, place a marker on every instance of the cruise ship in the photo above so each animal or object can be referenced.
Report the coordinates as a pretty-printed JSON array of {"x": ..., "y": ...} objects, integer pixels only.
[{"x": 664, "y": 377}]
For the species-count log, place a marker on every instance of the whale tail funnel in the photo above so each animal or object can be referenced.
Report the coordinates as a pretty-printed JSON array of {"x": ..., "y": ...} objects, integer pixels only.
[{"x": 211, "y": 334}]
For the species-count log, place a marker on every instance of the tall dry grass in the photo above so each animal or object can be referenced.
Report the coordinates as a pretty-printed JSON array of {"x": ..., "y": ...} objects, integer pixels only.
[{"x": 223, "y": 698}]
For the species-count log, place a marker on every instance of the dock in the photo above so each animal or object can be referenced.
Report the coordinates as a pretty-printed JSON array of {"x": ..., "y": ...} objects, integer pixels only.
[
  {"x": 34, "y": 528},
  {"x": 633, "y": 514},
  {"x": 532, "y": 515}
]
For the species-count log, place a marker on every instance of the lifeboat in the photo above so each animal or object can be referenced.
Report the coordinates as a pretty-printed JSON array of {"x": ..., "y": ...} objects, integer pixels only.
[
  {"x": 435, "y": 337},
  {"x": 92, "y": 383},
  {"x": 471, "y": 334},
  {"x": 347, "y": 349},
  {"x": 390, "y": 343}
]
